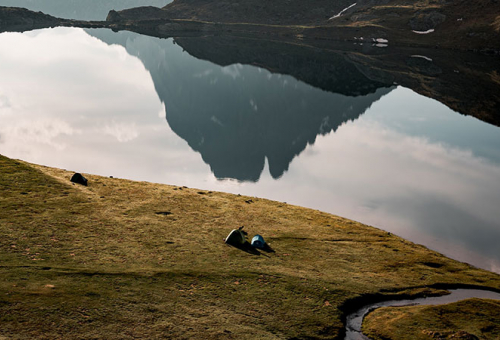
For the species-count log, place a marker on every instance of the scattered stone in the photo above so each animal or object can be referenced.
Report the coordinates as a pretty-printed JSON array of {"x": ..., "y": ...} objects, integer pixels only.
[{"x": 79, "y": 179}]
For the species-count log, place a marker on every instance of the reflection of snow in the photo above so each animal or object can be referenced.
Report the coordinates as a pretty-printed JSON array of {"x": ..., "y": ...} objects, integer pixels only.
[
  {"x": 203, "y": 74},
  {"x": 424, "y": 32},
  {"x": 253, "y": 105},
  {"x": 216, "y": 121},
  {"x": 342, "y": 11},
  {"x": 421, "y": 56}
]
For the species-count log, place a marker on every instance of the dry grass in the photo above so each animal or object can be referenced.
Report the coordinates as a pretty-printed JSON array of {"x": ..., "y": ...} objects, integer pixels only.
[{"x": 103, "y": 262}]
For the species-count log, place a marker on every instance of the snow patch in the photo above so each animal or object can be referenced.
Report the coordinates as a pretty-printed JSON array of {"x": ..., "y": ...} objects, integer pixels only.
[
  {"x": 424, "y": 32},
  {"x": 380, "y": 42},
  {"x": 342, "y": 11},
  {"x": 421, "y": 56}
]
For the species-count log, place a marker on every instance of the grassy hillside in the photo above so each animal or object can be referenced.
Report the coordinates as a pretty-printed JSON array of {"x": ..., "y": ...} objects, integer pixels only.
[{"x": 121, "y": 259}]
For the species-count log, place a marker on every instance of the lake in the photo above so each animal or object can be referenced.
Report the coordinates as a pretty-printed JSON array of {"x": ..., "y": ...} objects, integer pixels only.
[{"x": 311, "y": 127}]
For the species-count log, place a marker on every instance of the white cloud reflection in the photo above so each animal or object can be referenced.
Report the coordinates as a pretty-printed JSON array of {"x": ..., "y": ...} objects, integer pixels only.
[
  {"x": 39, "y": 131},
  {"x": 65, "y": 93},
  {"x": 71, "y": 101}
]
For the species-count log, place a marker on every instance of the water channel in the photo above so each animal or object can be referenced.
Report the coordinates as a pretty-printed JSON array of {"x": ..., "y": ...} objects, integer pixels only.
[{"x": 354, "y": 320}]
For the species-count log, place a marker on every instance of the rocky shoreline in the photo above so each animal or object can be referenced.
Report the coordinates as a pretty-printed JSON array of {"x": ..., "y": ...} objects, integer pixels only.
[{"x": 435, "y": 25}]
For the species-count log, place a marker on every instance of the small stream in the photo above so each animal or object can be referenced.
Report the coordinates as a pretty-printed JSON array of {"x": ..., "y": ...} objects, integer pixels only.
[{"x": 355, "y": 320}]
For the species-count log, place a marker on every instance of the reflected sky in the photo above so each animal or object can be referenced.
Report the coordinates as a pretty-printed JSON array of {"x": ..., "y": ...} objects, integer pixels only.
[{"x": 404, "y": 163}]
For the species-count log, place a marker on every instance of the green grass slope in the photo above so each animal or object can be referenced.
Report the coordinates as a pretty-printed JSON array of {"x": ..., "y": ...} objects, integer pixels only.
[{"x": 121, "y": 259}]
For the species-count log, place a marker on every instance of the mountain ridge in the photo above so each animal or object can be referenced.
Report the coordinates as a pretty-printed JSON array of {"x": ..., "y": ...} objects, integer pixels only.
[{"x": 454, "y": 24}]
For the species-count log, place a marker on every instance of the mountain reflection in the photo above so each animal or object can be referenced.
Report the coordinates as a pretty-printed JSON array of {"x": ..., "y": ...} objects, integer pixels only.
[
  {"x": 408, "y": 164},
  {"x": 237, "y": 116}
]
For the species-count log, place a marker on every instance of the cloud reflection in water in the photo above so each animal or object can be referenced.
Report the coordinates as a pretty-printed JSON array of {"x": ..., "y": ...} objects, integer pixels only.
[{"x": 71, "y": 101}]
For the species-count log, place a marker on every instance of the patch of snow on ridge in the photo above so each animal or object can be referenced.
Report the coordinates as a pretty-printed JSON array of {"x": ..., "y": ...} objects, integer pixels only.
[
  {"x": 424, "y": 32},
  {"x": 421, "y": 56},
  {"x": 342, "y": 11}
]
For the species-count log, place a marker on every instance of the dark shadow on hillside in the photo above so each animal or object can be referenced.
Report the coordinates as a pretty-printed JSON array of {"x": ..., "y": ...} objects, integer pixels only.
[
  {"x": 246, "y": 247},
  {"x": 267, "y": 248}
]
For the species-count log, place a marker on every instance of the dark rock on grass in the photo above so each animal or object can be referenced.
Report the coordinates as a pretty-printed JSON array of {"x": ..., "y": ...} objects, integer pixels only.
[{"x": 79, "y": 179}]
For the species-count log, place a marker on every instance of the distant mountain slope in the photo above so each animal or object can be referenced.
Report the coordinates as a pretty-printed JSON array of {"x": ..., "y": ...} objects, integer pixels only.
[
  {"x": 458, "y": 24},
  {"x": 277, "y": 12},
  {"x": 80, "y": 9},
  {"x": 418, "y": 14}
]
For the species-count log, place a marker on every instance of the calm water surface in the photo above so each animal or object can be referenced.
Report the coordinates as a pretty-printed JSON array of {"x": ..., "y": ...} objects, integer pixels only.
[{"x": 141, "y": 108}]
